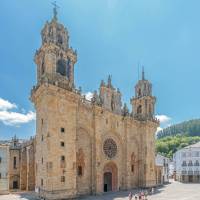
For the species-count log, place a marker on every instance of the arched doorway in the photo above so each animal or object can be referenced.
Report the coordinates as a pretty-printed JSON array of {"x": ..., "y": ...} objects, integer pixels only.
[{"x": 110, "y": 177}]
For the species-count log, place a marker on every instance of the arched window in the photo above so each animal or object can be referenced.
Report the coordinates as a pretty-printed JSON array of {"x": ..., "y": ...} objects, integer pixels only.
[
  {"x": 139, "y": 92},
  {"x": 139, "y": 109},
  {"x": 60, "y": 40},
  {"x": 61, "y": 67},
  {"x": 133, "y": 162}
]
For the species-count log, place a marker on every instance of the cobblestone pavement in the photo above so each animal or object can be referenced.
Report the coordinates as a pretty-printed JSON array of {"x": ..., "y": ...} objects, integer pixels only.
[
  {"x": 19, "y": 196},
  {"x": 173, "y": 191}
]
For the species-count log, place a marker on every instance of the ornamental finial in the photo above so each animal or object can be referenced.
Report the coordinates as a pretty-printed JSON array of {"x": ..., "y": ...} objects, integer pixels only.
[
  {"x": 55, "y": 12},
  {"x": 143, "y": 74}
]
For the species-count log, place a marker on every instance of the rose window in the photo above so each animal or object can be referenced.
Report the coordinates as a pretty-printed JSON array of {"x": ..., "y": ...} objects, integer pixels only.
[{"x": 110, "y": 148}]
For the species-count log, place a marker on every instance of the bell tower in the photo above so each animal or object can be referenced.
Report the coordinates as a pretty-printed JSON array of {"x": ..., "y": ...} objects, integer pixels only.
[
  {"x": 143, "y": 104},
  {"x": 110, "y": 97},
  {"x": 55, "y": 60},
  {"x": 55, "y": 100}
]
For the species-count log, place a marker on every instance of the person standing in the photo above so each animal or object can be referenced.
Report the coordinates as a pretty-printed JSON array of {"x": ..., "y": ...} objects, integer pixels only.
[
  {"x": 130, "y": 196},
  {"x": 146, "y": 194}
]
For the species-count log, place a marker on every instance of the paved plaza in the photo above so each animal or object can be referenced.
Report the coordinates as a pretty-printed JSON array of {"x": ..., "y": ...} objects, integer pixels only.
[{"x": 173, "y": 191}]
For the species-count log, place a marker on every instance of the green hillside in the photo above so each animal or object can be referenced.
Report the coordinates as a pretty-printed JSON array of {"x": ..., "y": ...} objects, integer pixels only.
[
  {"x": 178, "y": 136},
  {"x": 190, "y": 128},
  {"x": 169, "y": 145}
]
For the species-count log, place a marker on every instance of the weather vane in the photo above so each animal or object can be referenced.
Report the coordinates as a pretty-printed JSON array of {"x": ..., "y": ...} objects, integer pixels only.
[{"x": 55, "y": 12}]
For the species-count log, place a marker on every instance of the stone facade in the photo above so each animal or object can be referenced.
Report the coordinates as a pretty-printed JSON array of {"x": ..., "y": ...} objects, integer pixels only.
[
  {"x": 21, "y": 164},
  {"x": 4, "y": 166},
  {"x": 15, "y": 164},
  {"x": 87, "y": 147},
  {"x": 27, "y": 169}
]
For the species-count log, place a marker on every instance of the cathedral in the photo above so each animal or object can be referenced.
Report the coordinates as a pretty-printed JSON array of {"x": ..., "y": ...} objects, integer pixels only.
[{"x": 88, "y": 146}]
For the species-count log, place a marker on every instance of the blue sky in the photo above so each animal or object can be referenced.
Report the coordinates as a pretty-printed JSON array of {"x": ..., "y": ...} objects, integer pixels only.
[{"x": 111, "y": 37}]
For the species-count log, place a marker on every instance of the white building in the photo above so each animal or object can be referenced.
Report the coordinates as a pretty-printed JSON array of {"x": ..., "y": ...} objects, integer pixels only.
[
  {"x": 171, "y": 169},
  {"x": 187, "y": 164},
  {"x": 162, "y": 165},
  {"x": 4, "y": 167}
]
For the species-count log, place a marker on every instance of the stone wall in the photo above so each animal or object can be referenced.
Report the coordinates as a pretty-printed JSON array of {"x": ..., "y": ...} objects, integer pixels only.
[
  {"x": 62, "y": 117},
  {"x": 4, "y": 166}
]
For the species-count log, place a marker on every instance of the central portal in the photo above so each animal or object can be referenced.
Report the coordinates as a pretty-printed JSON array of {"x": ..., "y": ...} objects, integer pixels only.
[
  {"x": 107, "y": 181},
  {"x": 110, "y": 177}
]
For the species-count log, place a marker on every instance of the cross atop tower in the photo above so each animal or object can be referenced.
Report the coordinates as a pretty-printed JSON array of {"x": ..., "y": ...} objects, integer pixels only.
[
  {"x": 55, "y": 12},
  {"x": 143, "y": 74}
]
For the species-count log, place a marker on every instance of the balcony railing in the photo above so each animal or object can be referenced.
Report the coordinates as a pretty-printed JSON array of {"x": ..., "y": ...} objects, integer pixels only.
[
  {"x": 184, "y": 172},
  {"x": 190, "y": 172}
]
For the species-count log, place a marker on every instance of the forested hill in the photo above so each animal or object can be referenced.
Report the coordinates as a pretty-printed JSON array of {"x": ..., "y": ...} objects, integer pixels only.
[{"x": 190, "y": 128}]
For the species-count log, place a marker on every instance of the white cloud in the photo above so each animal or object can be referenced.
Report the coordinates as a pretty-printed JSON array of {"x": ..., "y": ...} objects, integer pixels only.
[
  {"x": 13, "y": 118},
  {"x": 164, "y": 122},
  {"x": 6, "y": 105},
  {"x": 164, "y": 119},
  {"x": 159, "y": 129},
  {"x": 89, "y": 96}
]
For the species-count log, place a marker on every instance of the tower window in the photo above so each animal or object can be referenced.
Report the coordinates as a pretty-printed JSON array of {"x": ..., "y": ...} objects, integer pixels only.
[
  {"x": 139, "y": 92},
  {"x": 62, "y": 179},
  {"x": 62, "y": 158},
  {"x": 15, "y": 163},
  {"x": 62, "y": 162},
  {"x": 62, "y": 144},
  {"x": 62, "y": 130},
  {"x": 60, "y": 41},
  {"x": 61, "y": 67},
  {"x": 139, "y": 109}
]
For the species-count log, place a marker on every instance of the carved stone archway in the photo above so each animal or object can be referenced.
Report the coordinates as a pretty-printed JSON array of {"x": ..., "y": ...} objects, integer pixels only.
[{"x": 110, "y": 177}]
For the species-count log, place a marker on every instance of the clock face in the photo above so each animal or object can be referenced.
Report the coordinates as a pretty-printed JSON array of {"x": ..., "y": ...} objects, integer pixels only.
[{"x": 110, "y": 148}]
